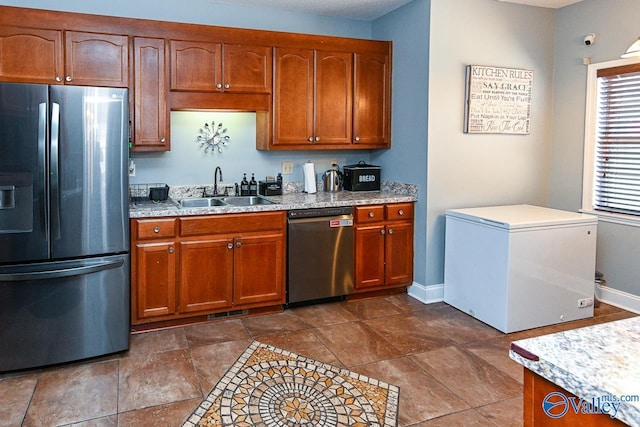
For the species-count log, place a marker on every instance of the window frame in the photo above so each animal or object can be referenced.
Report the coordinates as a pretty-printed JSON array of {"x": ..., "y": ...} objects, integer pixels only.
[{"x": 589, "y": 147}]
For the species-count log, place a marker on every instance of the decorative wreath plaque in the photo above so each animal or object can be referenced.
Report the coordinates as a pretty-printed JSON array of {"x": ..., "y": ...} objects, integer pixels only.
[{"x": 498, "y": 100}]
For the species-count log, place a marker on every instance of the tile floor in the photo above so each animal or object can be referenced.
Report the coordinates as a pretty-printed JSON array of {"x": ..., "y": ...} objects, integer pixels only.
[{"x": 452, "y": 369}]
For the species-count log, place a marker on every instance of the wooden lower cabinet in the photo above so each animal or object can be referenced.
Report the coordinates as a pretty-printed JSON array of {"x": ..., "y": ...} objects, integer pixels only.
[
  {"x": 212, "y": 264},
  {"x": 383, "y": 246},
  {"x": 536, "y": 388}
]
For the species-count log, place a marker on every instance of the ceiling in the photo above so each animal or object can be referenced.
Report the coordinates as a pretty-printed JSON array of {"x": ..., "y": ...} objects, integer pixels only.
[{"x": 366, "y": 10}]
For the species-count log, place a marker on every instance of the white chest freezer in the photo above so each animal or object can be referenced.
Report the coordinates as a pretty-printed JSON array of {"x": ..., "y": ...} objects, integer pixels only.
[{"x": 519, "y": 267}]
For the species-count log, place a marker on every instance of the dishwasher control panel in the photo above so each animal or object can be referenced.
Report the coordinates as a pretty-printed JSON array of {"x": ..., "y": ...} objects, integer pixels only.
[{"x": 312, "y": 213}]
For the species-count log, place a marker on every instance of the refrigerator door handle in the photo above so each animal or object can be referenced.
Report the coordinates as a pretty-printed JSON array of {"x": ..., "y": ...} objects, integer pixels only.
[
  {"x": 42, "y": 168},
  {"x": 55, "y": 172},
  {"x": 69, "y": 271}
]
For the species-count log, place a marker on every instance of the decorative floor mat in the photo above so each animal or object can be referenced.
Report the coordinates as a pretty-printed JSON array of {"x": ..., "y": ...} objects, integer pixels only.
[{"x": 271, "y": 387}]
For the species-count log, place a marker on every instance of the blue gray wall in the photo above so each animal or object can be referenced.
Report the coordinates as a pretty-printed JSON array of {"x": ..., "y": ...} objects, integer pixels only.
[{"x": 616, "y": 27}]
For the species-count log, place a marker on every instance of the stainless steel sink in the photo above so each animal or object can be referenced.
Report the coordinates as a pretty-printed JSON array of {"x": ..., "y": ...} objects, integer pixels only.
[
  {"x": 201, "y": 202},
  {"x": 246, "y": 201}
]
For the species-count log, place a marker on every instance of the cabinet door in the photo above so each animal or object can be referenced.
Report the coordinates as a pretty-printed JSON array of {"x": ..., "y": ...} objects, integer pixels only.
[
  {"x": 293, "y": 97},
  {"x": 206, "y": 274},
  {"x": 399, "y": 253},
  {"x": 150, "y": 118},
  {"x": 196, "y": 66},
  {"x": 259, "y": 269},
  {"x": 96, "y": 59},
  {"x": 247, "y": 69},
  {"x": 154, "y": 283},
  {"x": 31, "y": 55},
  {"x": 369, "y": 254},
  {"x": 372, "y": 99},
  {"x": 333, "y": 98}
]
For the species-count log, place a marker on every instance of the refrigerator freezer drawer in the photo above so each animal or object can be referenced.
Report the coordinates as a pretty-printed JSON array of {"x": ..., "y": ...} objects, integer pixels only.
[{"x": 59, "y": 312}]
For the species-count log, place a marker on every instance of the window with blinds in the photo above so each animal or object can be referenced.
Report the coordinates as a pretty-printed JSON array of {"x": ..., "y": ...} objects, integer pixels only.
[{"x": 616, "y": 186}]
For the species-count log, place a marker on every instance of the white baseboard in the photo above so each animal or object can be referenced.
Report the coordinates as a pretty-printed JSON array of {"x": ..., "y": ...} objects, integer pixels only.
[
  {"x": 426, "y": 294},
  {"x": 618, "y": 298}
]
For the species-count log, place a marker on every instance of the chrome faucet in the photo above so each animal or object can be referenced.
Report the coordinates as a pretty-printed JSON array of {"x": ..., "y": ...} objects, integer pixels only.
[{"x": 215, "y": 180}]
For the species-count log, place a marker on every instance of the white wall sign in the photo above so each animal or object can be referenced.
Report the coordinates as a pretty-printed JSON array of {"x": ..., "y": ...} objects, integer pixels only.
[{"x": 498, "y": 100}]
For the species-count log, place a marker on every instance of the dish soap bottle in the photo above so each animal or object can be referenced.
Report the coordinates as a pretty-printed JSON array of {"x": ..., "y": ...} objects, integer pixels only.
[
  {"x": 244, "y": 186},
  {"x": 253, "y": 186}
]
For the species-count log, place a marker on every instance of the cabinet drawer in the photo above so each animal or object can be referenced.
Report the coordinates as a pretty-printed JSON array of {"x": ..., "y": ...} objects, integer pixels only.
[
  {"x": 365, "y": 214},
  {"x": 231, "y": 223},
  {"x": 398, "y": 211},
  {"x": 155, "y": 228}
]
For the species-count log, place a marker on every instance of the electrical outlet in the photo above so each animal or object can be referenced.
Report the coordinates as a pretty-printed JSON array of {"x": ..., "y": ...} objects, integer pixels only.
[
  {"x": 132, "y": 168},
  {"x": 585, "y": 302},
  {"x": 287, "y": 168}
]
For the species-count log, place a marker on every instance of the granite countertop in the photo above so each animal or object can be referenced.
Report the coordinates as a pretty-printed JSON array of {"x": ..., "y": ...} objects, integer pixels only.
[
  {"x": 293, "y": 198},
  {"x": 591, "y": 362}
]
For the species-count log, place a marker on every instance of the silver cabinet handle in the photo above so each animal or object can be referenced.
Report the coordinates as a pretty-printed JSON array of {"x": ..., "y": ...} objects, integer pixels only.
[
  {"x": 371, "y": 214},
  {"x": 58, "y": 78},
  {"x": 400, "y": 212},
  {"x": 229, "y": 245},
  {"x": 357, "y": 138},
  {"x": 162, "y": 139},
  {"x": 171, "y": 249},
  {"x": 391, "y": 231},
  {"x": 68, "y": 78},
  {"x": 226, "y": 86},
  {"x": 219, "y": 85},
  {"x": 382, "y": 231},
  {"x": 156, "y": 229},
  {"x": 238, "y": 244},
  {"x": 317, "y": 138},
  {"x": 310, "y": 139}
]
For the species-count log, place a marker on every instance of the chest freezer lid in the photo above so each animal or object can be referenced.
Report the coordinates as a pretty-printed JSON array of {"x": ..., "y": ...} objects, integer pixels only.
[{"x": 513, "y": 217}]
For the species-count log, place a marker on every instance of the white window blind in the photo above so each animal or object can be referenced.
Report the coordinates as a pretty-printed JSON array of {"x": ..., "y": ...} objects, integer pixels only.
[{"x": 617, "y": 152}]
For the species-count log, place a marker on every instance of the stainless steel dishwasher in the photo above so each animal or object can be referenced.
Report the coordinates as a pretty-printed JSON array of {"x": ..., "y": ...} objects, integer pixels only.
[{"x": 320, "y": 254}]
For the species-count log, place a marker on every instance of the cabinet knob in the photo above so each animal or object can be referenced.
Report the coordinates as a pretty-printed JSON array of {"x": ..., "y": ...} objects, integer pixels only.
[
  {"x": 310, "y": 139},
  {"x": 162, "y": 139},
  {"x": 171, "y": 249},
  {"x": 382, "y": 231},
  {"x": 371, "y": 214},
  {"x": 391, "y": 231},
  {"x": 229, "y": 245},
  {"x": 317, "y": 138},
  {"x": 219, "y": 85},
  {"x": 226, "y": 86},
  {"x": 238, "y": 244},
  {"x": 68, "y": 78},
  {"x": 58, "y": 78},
  {"x": 156, "y": 229},
  {"x": 357, "y": 138},
  {"x": 400, "y": 212}
]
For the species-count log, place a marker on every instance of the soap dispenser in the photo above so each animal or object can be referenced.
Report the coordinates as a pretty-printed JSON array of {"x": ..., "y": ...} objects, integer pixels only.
[
  {"x": 244, "y": 186},
  {"x": 253, "y": 186}
]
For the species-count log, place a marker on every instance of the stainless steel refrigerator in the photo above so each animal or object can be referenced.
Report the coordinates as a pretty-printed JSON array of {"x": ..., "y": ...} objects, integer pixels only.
[{"x": 64, "y": 234}]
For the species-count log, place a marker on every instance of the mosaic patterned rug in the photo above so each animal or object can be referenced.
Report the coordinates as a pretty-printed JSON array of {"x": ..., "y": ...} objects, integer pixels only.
[{"x": 271, "y": 387}]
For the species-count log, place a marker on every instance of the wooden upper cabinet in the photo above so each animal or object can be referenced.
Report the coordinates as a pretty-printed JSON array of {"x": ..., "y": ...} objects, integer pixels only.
[
  {"x": 214, "y": 67},
  {"x": 151, "y": 114},
  {"x": 333, "y": 97},
  {"x": 196, "y": 66},
  {"x": 313, "y": 98},
  {"x": 247, "y": 68},
  {"x": 372, "y": 109},
  {"x": 30, "y": 55},
  {"x": 93, "y": 59},
  {"x": 293, "y": 97}
]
